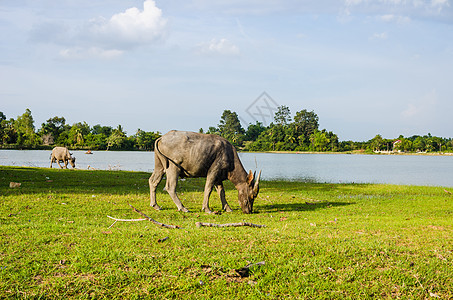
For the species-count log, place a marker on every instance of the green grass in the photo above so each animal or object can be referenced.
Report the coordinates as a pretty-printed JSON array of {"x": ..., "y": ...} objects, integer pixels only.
[{"x": 322, "y": 241}]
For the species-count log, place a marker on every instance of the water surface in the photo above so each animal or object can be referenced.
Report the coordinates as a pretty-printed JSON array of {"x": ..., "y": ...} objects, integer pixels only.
[{"x": 331, "y": 168}]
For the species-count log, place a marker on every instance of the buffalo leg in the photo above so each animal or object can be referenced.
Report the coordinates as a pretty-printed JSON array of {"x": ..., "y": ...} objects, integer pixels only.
[
  {"x": 58, "y": 162},
  {"x": 207, "y": 192},
  {"x": 221, "y": 192},
  {"x": 154, "y": 181},
  {"x": 172, "y": 181}
]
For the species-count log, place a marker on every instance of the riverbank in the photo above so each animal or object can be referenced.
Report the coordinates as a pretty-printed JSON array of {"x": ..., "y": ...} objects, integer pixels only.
[
  {"x": 320, "y": 241},
  {"x": 362, "y": 152}
]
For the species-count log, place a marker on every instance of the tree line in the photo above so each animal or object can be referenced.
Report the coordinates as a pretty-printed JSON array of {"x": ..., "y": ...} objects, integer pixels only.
[
  {"x": 285, "y": 133},
  {"x": 302, "y": 133},
  {"x": 21, "y": 134}
]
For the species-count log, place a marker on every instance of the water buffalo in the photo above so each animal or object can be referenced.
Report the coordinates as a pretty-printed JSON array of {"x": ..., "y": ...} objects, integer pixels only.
[
  {"x": 61, "y": 154},
  {"x": 189, "y": 154}
]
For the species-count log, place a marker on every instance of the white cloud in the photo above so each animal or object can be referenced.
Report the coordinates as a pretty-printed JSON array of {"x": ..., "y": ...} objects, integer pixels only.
[
  {"x": 421, "y": 109},
  {"x": 101, "y": 37},
  {"x": 413, "y": 8},
  {"x": 93, "y": 52},
  {"x": 394, "y": 18},
  {"x": 133, "y": 27},
  {"x": 379, "y": 36},
  {"x": 221, "y": 47},
  {"x": 353, "y": 2},
  {"x": 388, "y": 18},
  {"x": 439, "y": 4},
  {"x": 411, "y": 111}
]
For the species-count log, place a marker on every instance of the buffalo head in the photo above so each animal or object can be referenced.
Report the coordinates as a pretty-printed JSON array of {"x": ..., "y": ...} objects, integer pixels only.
[
  {"x": 248, "y": 191},
  {"x": 72, "y": 161}
]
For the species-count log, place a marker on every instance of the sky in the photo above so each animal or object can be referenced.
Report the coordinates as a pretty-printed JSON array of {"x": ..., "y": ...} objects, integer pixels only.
[{"x": 365, "y": 67}]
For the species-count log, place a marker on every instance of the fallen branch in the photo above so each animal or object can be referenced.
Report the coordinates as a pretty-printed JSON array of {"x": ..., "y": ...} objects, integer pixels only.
[
  {"x": 163, "y": 239},
  {"x": 154, "y": 221},
  {"x": 124, "y": 220},
  {"x": 201, "y": 224}
]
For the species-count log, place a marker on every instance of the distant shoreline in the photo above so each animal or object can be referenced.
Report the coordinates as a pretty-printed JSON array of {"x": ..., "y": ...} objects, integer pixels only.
[{"x": 356, "y": 153}]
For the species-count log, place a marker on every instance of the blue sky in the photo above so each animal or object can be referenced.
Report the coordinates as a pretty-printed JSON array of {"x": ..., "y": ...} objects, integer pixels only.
[{"x": 365, "y": 67}]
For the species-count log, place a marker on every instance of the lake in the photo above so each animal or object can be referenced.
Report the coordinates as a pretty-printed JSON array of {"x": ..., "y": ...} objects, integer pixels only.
[{"x": 331, "y": 168}]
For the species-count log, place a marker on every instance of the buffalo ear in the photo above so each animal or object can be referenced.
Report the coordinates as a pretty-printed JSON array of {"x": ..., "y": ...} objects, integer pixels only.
[{"x": 250, "y": 177}]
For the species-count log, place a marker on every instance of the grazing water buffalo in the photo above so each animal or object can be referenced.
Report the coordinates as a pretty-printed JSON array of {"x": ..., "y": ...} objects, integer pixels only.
[
  {"x": 61, "y": 154},
  {"x": 190, "y": 154}
]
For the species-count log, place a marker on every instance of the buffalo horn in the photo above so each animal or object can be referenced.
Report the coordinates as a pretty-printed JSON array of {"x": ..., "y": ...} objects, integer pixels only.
[{"x": 257, "y": 181}]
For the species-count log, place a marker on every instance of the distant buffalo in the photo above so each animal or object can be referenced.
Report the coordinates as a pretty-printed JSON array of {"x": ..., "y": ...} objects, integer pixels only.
[
  {"x": 190, "y": 154},
  {"x": 61, "y": 154}
]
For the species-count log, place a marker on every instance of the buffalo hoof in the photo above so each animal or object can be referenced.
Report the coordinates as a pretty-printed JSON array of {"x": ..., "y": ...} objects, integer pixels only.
[
  {"x": 183, "y": 209},
  {"x": 208, "y": 211},
  {"x": 228, "y": 209},
  {"x": 156, "y": 207}
]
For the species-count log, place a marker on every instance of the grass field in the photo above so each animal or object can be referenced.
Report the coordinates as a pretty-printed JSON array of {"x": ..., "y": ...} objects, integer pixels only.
[{"x": 321, "y": 241}]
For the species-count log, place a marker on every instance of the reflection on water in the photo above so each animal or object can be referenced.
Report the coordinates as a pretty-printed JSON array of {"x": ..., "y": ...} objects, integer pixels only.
[{"x": 332, "y": 168}]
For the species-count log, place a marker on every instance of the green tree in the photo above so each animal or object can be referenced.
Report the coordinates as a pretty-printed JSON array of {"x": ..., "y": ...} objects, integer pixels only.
[
  {"x": 231, "y": 129},
  {"x": 283, "y": 115},
  {"x": 419, "y": 144},
  {"x": 334, "y": 144},
  {"x": 437, "y": 143},
  {"x": 290, "y": 138},
  {"x": 25, "y": 128},
  {"x": 376, "y": 143},
  {"x": 145, "y": 140},
  {"x": 2, "y": 126},
  {"x": 51, "y": 130},
  {"x": 306, "y": 123},
  {"x": 429, "y": 143},
  {"x": 301, "y": 134},
  {"x": 407, "y": 145},
  {"x": 283, "y": 134},
  {"x": 274, "y": 138},
  {"x": 96, "y": 141},
  {"x": 105, "y": 130},
  {"x": 254, "y": 131},
  {"x": 117, "y": 139},
  {"x": 403, "y": 144},
  {"x": 77, "y": 134},
  {"x": 213, "y": 130},
  {"x": 8, "y": 132},
  {"x": 97, "y": 138},
  {"x": 450, "y": 145},
  {"x": 319, "y": 141}
]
